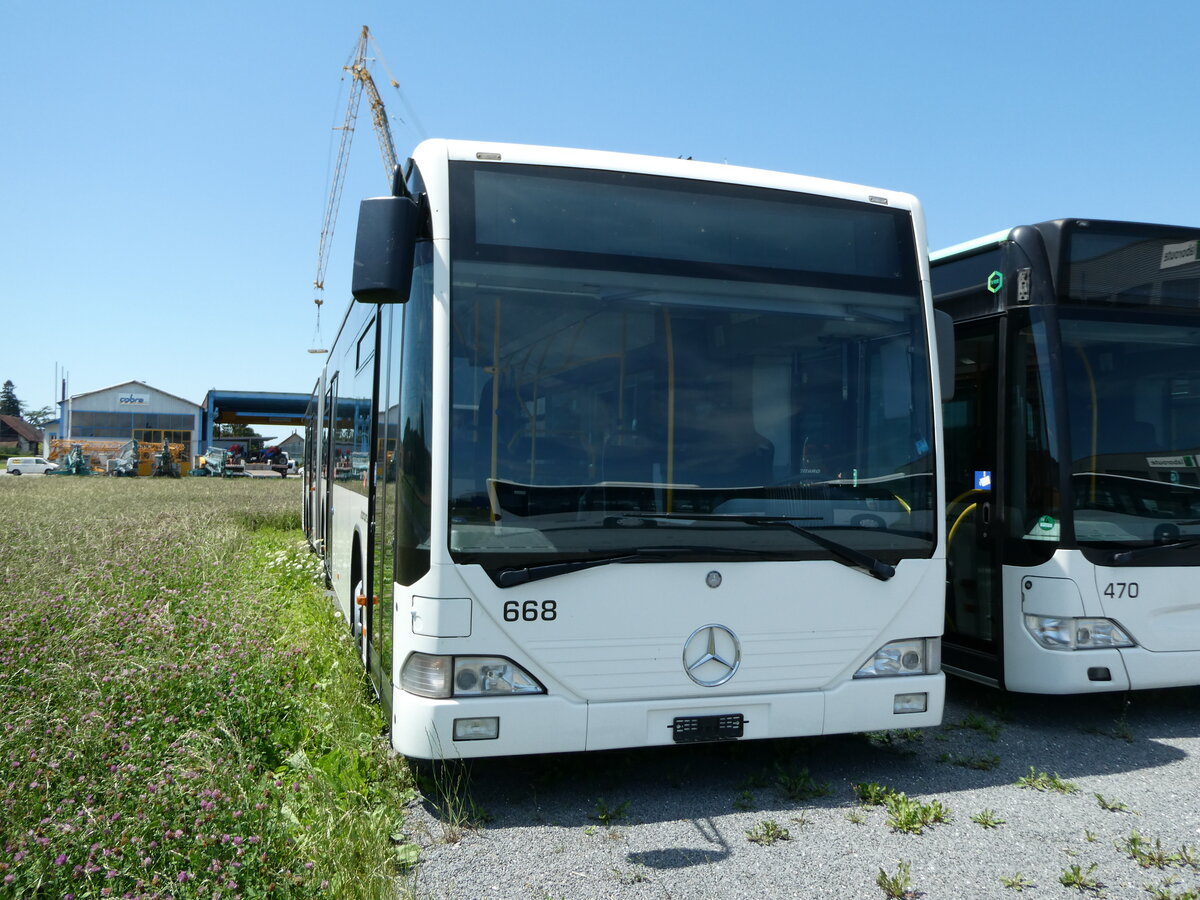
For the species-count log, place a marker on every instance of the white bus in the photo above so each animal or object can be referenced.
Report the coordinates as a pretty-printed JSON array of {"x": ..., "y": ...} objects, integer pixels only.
[
  {"x": 1073, "y": 456},
  {"x": 616, "y": 451}
]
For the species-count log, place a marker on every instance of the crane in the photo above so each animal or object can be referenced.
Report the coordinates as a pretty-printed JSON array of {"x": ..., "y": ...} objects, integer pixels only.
[{"x": 361, "y": 82}]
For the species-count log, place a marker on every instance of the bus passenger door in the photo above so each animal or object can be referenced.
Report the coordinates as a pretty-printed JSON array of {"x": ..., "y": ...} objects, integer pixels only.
[
  {"x": 973, "y": 635},
  {"x": 327, "y": 463}
]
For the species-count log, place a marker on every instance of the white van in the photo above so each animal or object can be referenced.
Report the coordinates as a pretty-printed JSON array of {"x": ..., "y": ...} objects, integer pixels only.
[{"x": 29, "y": 465}]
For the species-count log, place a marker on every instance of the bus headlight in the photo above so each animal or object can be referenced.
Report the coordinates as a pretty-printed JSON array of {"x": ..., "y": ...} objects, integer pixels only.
[
  {"x": 489, "y": 676},
  {"x": 915, "y": 656},
  {"x": 442, "y": 677},
  {"x": 1061, "y": 633}
]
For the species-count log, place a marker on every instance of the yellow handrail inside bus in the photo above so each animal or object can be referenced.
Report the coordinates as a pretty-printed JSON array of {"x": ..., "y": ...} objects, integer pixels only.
[
  {"x": 962, "y": 515},
  {"x": 973, "y": 492},
  {"x": 964, "y": 495}
]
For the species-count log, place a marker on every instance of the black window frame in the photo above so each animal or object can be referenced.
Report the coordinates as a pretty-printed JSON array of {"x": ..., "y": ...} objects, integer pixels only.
[{"x": 463, "y": 232}]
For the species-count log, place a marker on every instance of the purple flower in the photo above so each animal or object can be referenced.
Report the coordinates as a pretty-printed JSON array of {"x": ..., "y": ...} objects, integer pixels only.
[{"x": 61, "y": 859}]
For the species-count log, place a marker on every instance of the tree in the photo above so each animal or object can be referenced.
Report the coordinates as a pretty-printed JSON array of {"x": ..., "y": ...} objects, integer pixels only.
[
  {"x": 37, "y": 417},
  {"x": 9, "y": 404},
  {"x": 234, "y": 430}
]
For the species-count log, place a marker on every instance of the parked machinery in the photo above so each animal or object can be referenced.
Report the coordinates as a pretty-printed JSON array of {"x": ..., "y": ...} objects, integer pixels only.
[
  {"x": 74, "y": 463},
  {"x": 165, "y": 463},
  {"x": 219, "y": 463},
  {"x": 124, "y": 464}
]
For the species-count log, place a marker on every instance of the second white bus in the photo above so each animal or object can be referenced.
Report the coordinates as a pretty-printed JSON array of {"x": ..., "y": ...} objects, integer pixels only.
[{"x": 1073, "y": 456}]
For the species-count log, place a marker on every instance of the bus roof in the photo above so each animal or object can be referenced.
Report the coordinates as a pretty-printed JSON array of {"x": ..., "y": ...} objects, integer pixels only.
[
  {"x": 989, "y": 240},
  {"x": 967, "y": 246},
  {"x": 486, "y": 151}
]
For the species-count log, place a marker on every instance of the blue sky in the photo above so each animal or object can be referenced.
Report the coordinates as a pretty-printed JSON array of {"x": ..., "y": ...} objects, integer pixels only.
[{"x": 164, "y": 167}]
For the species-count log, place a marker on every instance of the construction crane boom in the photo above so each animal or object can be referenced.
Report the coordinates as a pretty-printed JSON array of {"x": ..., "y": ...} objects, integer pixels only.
[
  {"x": 387, "y": 150},
  {"x": 360, "y": 82}
]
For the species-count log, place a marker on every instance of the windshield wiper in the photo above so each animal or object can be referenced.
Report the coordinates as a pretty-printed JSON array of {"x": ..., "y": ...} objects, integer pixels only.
[
  {"x": 511, "y": 577},
  {"x": 847, "y": 556},
  {"x": 1124, "y": 557}
]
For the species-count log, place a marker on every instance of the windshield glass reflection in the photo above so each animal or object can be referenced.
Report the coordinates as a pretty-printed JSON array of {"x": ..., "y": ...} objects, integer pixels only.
[
  {"x": 577, "y": 404},
  {"x": 1134, "y": 390},
  {"x": 602, "y": 373}
]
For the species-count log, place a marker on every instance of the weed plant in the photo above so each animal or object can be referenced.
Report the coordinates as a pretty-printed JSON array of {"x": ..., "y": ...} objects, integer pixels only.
[
  {"x": 983, "y": 763},
  {"x": 631, "y": 876},
  {"x": 1111, "y": 805},
  {"x": 181, "y": 712},
  {"x": 987, "y": 819},
  {"x": 871, "y": 793},
  {"x": 1075, "y": 876},
  {"x": 1150, "y": 854},
  {"x": 898, "y": 740},
  {"x": 976, "y": 722},
  {"x": 910, "y": 816},
  {"x": 608, "y": 816},
  {"x": 800, "y": 786},
  {"x": 768, "y": 832},
  {"x": 1016, "y": 882},
  {"x": 896, "y": 886},
  {"x": 1166, "y": 891},
  {"x": 1040, "y": 781},
  {"x": 446, "y": 784}
]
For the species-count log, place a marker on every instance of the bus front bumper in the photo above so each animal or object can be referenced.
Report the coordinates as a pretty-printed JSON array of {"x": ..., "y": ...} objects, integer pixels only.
[
  {"x": 1041, "y": 671},
  {"x": 425, "y": 729}
]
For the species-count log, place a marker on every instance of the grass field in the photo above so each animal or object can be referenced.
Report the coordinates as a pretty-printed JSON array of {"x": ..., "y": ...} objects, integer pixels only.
[{"x": 181, "y": 712}]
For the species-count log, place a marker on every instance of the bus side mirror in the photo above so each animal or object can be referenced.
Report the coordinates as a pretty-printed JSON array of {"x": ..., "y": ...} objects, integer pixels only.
[
  {"x": 943, "y": 331},
  {"x": 383, "y": 249}
]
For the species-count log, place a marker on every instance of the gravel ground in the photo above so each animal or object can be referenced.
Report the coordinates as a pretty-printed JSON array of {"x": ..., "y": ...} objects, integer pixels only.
[{"x": 674, "y": 822}]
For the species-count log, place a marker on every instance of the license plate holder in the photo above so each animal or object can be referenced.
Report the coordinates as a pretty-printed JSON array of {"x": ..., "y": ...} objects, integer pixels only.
[{"x": 698, "y": 729}]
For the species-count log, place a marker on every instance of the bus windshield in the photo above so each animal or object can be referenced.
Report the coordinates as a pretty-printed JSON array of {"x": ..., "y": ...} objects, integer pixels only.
[
  {"x": 1133, "y": 396},
  {"x": 654, "y": 365}
]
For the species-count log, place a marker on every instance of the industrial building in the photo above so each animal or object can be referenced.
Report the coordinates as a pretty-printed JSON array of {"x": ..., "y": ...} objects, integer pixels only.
[
  {"x": 130, "y": 411},
  {"x": 138, "y": 411}
]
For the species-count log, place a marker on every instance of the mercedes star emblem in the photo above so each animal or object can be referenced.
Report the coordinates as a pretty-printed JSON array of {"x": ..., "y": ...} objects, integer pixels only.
[{"x": 711, "y": 655}]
